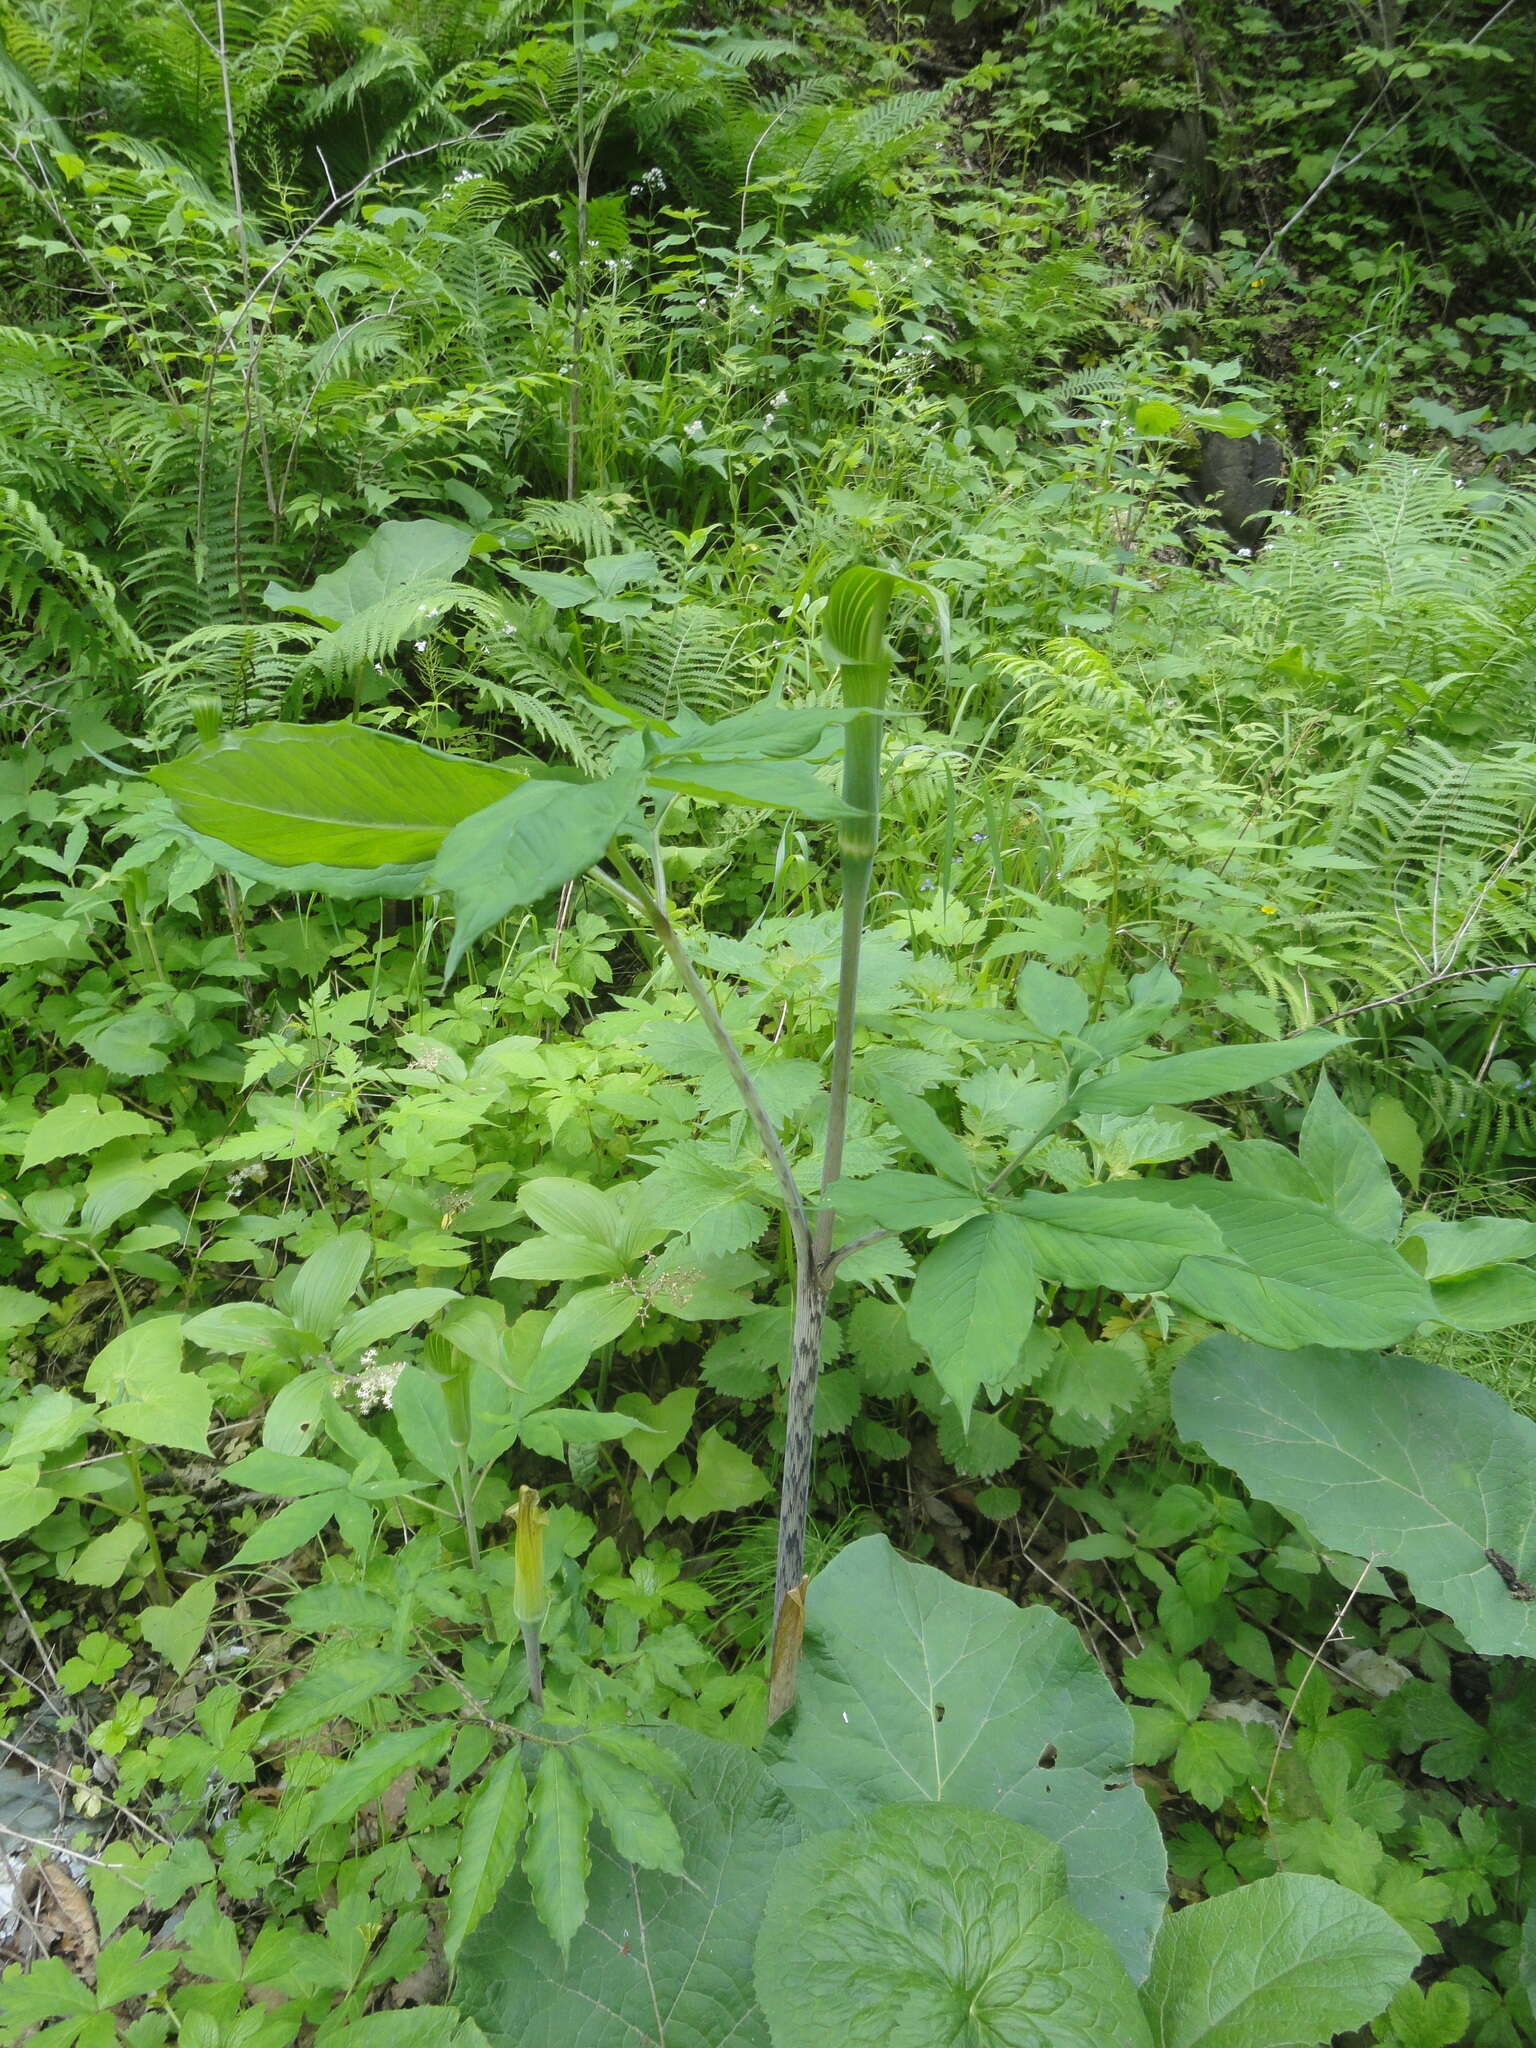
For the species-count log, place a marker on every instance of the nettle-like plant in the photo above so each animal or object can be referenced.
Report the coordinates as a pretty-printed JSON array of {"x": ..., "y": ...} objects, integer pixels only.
[{"x": 1029, "y": 1879}]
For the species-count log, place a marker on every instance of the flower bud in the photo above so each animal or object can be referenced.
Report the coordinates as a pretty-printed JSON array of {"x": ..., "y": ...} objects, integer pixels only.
[{"x": 530, "y": 1595}]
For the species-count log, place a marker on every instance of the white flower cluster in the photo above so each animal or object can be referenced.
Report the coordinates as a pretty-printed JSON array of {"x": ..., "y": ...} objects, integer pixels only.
[{"x": 374, "y": 1386}]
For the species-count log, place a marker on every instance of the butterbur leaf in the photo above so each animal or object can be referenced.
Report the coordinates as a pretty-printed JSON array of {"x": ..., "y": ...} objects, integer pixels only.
[
  {"x": 558, "y": 1855},
  {"x": 915, "y": 1686},
  {"x": 972, "y": 1304},
  {"x": 335, "y": 807},
  {"x": 515, "y": 853},
  {"x": 1283, "y": 1963},
  {"x": 660, "y": 1961},
  {"x": 929, "y": 1924},
  {"x": 402, "y": 552},
  {"x": 1420, "y": 1468}
]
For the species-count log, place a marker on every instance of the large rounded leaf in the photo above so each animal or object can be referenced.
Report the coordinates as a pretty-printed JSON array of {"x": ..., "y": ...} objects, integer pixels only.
[
  {"x": 916, "y": 1687},
  {"x": 1384, "y": 1457},
  {"x": 660, "y": 1961},
  {"x": 1284, "y": 1963},
  {"x": 930, "y": 1925},
  {"x": 334, "y": 807}
]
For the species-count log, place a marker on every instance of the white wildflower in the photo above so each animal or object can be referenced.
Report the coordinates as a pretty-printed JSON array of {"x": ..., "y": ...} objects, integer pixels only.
[
  {"x": 375, "y": 1388},
  {"x": 694, "y": 429}
]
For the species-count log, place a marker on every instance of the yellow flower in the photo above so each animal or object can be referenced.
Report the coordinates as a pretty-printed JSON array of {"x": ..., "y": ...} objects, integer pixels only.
[
  {"x": 1269, "y": 910},
  {"x": 530, "y": 1595}
]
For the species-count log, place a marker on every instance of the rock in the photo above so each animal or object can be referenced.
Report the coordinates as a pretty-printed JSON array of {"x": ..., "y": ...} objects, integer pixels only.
[{"x": 1237, "y": 483}]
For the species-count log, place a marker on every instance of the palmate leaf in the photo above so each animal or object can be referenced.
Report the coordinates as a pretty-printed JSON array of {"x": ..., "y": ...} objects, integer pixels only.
[
  {"x": 1383, "y": 1457},
  {"x": 338, "y": 807},
  {"x": 935, "y": 1924},
  {"x": 659, "y": 1961},
  {"x": 915, "y": 1687}
]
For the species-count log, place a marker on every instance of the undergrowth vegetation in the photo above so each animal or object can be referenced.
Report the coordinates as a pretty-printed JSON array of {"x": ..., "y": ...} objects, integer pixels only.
[{"x": 744, "y": 754}]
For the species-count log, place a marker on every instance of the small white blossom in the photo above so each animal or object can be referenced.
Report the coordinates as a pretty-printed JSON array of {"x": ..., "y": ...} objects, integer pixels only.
[
  {"x": 375, "y": 1388},
  {"x": 694, "y": 429},
  {"x": 421, "y": 646}
]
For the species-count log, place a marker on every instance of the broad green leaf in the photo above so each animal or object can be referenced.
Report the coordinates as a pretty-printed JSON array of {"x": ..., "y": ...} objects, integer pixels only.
[
  {"x": 48, "y": 1420},
  {"x": 1197, "y": 1076},
  {"x": 1453, "y": 1249},
  {"x": 1347, "y": 1167},
  {"x": 144, "y": 1392},
  {"x": 1494, "y": 1298},
  {"x": 322, "y": 1287},
  {"x": 1055, "y": 1004},
  {"x": 590, "y": 1319},
  {"x": 667, "y": 1421},
  {"x": 340, "y": 1684},
  {"x": 560, "y": 591},
  {"x": 630, "y": 1808},
  {"x": 772, "y": 732},
  {"x": 388, "y": 1317},
  {"x": 336, "y": 807},
  {"x": 116, "y": 1187},
  {"x": 400, "y": 554},
  {"x": 237, "y": 1327},
  {"x": 1284, "y": 1963},
  {"x": 79, "y": 1125},
  {"x": 972, "y": 1303},
  {"x": 558, "y": 1856},
  {"x": 1426, "y": 1472},
  {"x": 1096, "y": 1239},
  {"x": 20, "y": 1309},
  {"x": 1292, "y": 1274},
  {"x": 293, "y": 1526},
  {"x": 904, "y": 1201},
  {"x": 935, "y": 1924},
  {"x": 916, "y": 1686},
  {"x": 23, "y": 1502},
  {"x": 420, "y": 1409},
  {"x": 176, "y": 1632},
  {"x": 104, "y": 1560},
  {"x": 724, "y": 1478},
  {"x": 518, "y": 851},
  {"x": 926, "y": 1133},
  {"x": 570, "y": 1208},
  {"x": 769, "y": 785},
  {"x": 660, "y": 1961},
  {"x": 374, "y": 1766},
  {"x": 493, "y": 1829}
]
